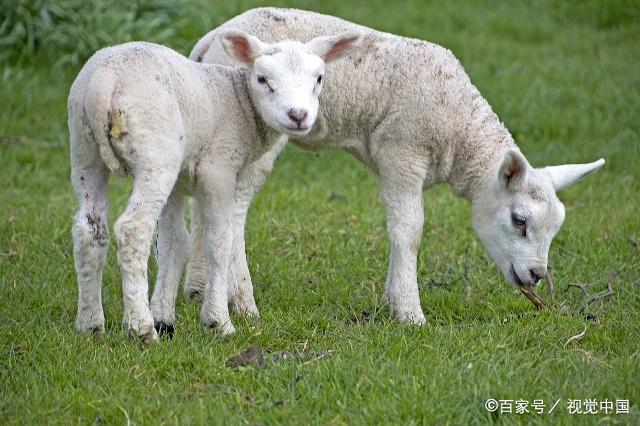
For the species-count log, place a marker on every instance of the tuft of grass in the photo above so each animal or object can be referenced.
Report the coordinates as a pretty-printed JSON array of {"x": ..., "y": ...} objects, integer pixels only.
[{"x": 563, "y": 77}]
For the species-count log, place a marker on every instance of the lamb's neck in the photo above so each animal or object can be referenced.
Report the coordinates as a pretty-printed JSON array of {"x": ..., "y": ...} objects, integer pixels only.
[
  {"x": 265, "y": 135},
  {"x": 478, "y": 156}
]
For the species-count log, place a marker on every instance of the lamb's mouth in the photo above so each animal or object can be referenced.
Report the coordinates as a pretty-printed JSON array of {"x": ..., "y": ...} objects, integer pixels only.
[
  {"x": 516, "y": 277},
  {"x": 297, "y": 129}
]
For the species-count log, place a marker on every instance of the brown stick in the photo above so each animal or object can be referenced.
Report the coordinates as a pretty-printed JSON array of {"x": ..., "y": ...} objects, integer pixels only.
[
  {"x": 549, "y": 282},
  {"x": 603, "y": 294},
  {"x": 599, "y": 296},
  {"x": 582, "y": 287},
  {"x": 588, "y": 298},
  {"x": 531, "y": 295}
]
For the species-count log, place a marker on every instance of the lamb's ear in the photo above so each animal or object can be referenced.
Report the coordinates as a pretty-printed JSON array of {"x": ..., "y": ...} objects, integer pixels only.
[
  {"x": 568, "y": 174},
  {"x": 513, "y": 170},
  {"x": 242, "y": 46},
  {"x": 335, "y": 47},
  {"x": 202, "y": 47}
]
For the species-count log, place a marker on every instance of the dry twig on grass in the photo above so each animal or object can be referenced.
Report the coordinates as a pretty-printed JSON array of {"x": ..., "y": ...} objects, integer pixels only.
[
  {"x": 589, "y": 298},
  {"x": 318, "y": 357},
  {"x": 577, "y": 337},
  {"x": 599, "y": 296},
  {"x": 582, "y": 287},
  {"x": 549, "y": 281},
  {"x": 533, "y": 296}
]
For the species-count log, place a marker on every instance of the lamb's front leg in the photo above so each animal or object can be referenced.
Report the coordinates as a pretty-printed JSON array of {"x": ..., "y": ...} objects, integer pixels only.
[
  {"x": 405, "y": 217},
  {"x": 251, "y": 180},
  {"x": 216, "y": 202},
  {"x": 240, "y": 285}
]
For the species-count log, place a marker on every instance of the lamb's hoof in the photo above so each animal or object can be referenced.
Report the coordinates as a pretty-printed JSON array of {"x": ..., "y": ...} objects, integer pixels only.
[
  {"x": 225, "y": 329},
  {"x": 164, "y": 329},
  {"x": 93, "y": 327},
  {"x": 403, "y": 311},
  {"x": 147, "y": 339},
  {"x": 245, "y": 309},
  {"x": 142, "y": 330},
  {"x": 415, "y": 317}
]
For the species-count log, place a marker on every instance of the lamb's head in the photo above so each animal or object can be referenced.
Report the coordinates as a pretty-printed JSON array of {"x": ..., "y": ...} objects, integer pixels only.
[
  {"x": 286, "y": 77},
  {"x": 518, "y": 213}
]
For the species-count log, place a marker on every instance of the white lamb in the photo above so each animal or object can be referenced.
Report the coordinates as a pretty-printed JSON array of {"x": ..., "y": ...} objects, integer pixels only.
[
  {"x": 180, "y": 127},
  {"x": 407, "y": 110}
]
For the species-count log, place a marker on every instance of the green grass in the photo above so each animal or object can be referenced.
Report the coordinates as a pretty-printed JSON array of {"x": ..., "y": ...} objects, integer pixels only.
[{"x": 564, "y": 78}]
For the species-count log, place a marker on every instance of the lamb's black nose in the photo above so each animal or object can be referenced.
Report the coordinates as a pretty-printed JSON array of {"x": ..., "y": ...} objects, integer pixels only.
[{"x": 535, "y": 276}]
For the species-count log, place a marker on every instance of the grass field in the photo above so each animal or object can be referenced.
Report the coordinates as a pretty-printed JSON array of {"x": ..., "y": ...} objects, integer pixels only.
[{"x": 565, "y": 79}]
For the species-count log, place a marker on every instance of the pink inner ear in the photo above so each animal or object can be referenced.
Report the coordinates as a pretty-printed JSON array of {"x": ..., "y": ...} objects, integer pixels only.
[
  {"x": 338, "y": 48},
  {"x": 241, "y": 47},
  {"x": 511, "y": 171}
]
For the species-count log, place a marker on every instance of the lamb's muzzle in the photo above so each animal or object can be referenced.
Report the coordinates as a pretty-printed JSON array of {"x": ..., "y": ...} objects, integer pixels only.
[{"x": 298, "y": 116}]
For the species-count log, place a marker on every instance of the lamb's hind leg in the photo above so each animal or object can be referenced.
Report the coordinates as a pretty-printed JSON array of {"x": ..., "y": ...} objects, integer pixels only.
[
  {"x": 90, "y": 239},
  {"x": 134, "y": 232},
  {"x": 405, "y": 216},
  {"x": 173, "y": 251},
  {"x": 196, "y": 276}
]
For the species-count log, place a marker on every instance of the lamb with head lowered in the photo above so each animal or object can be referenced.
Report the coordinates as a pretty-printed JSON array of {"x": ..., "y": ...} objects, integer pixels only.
[
  {"x": 179, "y": 127},
  {"x": 407, "y": 110}
]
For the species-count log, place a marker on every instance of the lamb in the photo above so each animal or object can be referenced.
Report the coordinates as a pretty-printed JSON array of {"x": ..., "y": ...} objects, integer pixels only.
[
  {"x": 179, "y": 127},
  {"x": 407, "y": 110}
]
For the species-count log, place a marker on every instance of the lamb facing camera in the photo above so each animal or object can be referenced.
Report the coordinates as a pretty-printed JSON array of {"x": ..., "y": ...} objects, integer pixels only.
[
  {"x": 179, "y": 127},
  {"x": 407, "y": 110}
]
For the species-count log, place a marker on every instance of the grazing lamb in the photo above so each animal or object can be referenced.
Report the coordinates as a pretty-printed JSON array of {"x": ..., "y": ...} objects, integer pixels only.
[
  {"x": 180, "y": 127},
  {"x": 407, "y": 110}
]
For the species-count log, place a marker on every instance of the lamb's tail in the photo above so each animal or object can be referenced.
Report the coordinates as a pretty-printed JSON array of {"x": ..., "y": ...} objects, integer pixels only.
[{"x": 105, "y": 120}]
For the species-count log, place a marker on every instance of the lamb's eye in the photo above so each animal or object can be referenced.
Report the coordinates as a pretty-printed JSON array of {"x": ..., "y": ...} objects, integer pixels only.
[
  {"x": 519, "y": 221},
  {"x": 262, "y": 80},
  {"x": 319, "y": 79}
]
